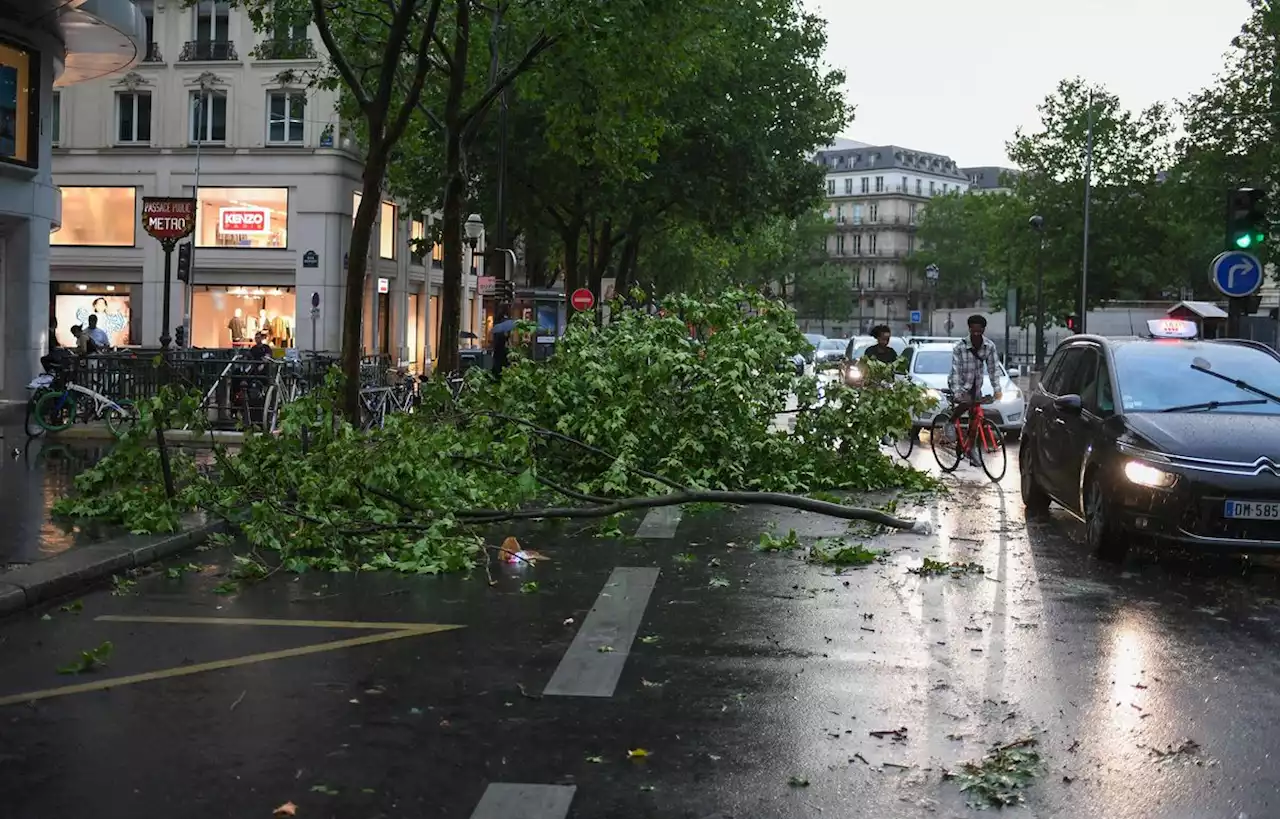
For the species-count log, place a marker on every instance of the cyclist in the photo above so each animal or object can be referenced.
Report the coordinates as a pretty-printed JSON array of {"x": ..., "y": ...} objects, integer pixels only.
[
  {"x": 969, "y": 359},
  {"x": 882, "y": 352}
]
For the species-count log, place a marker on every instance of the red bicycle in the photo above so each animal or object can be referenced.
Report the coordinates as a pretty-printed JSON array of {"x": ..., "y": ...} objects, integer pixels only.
[{"x": 955, "y": 436}]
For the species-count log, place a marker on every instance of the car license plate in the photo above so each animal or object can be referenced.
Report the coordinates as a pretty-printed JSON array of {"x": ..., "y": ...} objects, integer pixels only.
[{"x": 1252, "y": 510}]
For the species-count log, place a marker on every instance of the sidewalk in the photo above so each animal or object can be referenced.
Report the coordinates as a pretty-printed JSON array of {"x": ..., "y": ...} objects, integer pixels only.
[{"x": 40, "y": 559}]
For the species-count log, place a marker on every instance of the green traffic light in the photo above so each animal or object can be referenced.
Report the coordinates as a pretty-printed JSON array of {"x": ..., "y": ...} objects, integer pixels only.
[
  {"x": 1259, "y": 238},
  {"x": 1243, "y": 241}
]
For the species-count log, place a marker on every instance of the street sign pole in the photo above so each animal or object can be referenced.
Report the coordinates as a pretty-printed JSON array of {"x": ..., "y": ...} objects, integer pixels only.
[
  {"x": 165, "y": 338},
  {"x": 315, "y": 315},
  {"x": 168, "y": 219},
  {"x": 1238, "y": 276}
]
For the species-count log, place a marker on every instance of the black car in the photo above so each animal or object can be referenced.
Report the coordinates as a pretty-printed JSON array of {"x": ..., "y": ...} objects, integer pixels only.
[{"x": 1175, "y": 440}]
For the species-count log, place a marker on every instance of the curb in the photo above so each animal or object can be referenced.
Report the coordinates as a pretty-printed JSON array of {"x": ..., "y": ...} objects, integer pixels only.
[
  {"x": 72, "y": 570},
  {"x": 90, "y": 432}
]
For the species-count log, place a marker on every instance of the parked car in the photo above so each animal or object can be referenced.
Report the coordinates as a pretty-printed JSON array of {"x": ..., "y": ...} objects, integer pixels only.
[
  {"x": 830, "y": 351},
  {"x": 929, "y": 364},
  {"x": 1168, "y": 438}
]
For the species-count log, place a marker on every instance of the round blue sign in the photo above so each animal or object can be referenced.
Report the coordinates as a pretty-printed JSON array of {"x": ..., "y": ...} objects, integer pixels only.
[{"x": 1236, "y": 274}]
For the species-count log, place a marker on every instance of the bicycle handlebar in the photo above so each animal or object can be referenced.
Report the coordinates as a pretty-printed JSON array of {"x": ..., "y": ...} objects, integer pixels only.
[{"x": 950, "y": 394}]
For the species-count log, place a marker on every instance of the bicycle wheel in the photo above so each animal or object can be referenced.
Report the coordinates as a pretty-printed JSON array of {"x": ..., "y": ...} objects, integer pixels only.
[
  {"x": 905, "y": 443},
  {"x": 55, "y": 411},
  {"x": 991, "y": 449},
  {"x": 943, "y": 441},
  {"x": 120, "y": 421}
]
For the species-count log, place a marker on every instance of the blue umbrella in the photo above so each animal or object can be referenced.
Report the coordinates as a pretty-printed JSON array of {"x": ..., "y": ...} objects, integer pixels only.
[{"x": 504, "y": 326}]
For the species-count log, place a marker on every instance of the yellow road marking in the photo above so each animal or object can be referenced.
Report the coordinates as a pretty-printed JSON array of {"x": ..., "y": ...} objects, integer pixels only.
[
  {"x": 249, "y": 621},
  {"x": 399, "y": 632}
]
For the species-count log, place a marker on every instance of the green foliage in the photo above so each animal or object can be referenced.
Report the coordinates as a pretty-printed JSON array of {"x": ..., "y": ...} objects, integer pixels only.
[
  {"x": 654, "y": 404},
  {"x": 823, "y": 293},
  {"x": 1001, "y": 778},
  {"x": 89, "y": 660},
  {"x": 839, "y": 552},
  {"x": 772, "y": 543},
  {"x": 934, "y": 568}
]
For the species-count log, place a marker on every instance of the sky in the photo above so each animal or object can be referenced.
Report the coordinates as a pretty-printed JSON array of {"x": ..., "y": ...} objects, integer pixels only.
[{"x": 958, "y": 77}]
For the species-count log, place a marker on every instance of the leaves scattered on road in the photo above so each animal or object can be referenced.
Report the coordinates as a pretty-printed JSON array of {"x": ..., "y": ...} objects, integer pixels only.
[
  {"x": 74, "y": 607},
  {"x": 90, "y": 660},
  {"x": 637, "y": 753},
  {"x": 529, "y": 588},
  {"x": 121, "y": 585},
  {"x": 896, "y": 734},
  {"x": 287, "y": 809},
  {"x": 936, "y": 568},
  {"x": 650, "y": 639},
  {"x": 324, "y": 789},
  {"x": 798, "y": 782},
  {"x": 1000, "y": 778},
  {"x": 770, "y": 543},
  {"x": 1184, "y": 750},
  {"x": 839, "y": 552},
  {"x": 719, "y": 583}
]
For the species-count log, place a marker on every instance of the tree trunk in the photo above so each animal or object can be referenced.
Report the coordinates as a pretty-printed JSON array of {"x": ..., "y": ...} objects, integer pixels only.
[
  {"x": 455, "y": 191},
  {"x": 570, "y": 238},
  {"x": 357, "y": 265},
  {"x": 604, "y": 253},
  {"x": 627, "y": 264}
]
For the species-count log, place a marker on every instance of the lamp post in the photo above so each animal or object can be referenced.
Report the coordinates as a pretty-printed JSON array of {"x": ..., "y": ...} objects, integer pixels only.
[
  {"x": 1037, "y": 224},
  {"x": 473, "y": 229}
]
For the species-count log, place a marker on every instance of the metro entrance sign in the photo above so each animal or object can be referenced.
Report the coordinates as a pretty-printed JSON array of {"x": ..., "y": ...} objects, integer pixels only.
[
  {"x": 582, "y": 299},
  {"x": 168, "y": 218}
]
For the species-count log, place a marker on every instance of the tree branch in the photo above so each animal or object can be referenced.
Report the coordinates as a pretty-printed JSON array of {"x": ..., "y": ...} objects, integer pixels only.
[
  {"x": 321, "y": 15},
  {"x": 834, "y": 510},
  {"x": 422, "y": 65},
  {"x": 391, "y": 65},
  {"x": 541, "y": 44},
  {"x": 444, "y": 51}
]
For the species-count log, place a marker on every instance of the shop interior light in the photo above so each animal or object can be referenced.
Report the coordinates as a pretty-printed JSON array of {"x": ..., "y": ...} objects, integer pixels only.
[
  {"x": 82, "y": 287},
  {"x": 111, "y": 288}
]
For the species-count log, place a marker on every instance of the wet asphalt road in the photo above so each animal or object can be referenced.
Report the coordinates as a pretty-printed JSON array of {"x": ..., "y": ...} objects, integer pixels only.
[{"x": 747, "y": 669}]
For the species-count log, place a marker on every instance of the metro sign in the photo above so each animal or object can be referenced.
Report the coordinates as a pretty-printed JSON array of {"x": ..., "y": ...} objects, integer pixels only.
[
  {"x": 243, "y": 220},
  {"x": 168, "y": 218}
]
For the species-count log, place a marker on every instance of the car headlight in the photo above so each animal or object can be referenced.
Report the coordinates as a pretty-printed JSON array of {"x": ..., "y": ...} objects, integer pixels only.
[
  {"x": 1012, "y": 395},
  {"x": 933, "y": 396},
  {"x": 1147, "y": 475}
]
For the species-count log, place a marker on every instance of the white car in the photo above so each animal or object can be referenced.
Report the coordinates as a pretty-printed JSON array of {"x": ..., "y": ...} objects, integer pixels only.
[
  {"x": 857, "y": 348},
  {"x": 929, "y": 365}
]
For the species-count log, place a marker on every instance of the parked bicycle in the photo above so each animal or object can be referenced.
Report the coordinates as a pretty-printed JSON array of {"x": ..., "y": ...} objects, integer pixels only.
[
  {"x": 954, "y": 436},
  {"x": 59, "y": 403}
]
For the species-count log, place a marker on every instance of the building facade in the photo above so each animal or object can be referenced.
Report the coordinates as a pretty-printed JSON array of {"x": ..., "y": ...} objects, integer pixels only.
[
  {"x": 875, "y": 195},
  {"x": 991, "y": 178},
  {"x": 43, "y": 43},
  {"x": 224, "y": 114}
]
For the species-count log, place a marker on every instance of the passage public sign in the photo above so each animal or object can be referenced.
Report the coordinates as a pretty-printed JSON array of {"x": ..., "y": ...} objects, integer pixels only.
[
  {"x": 582, "y": 299},
  {"x": 168, "y": 217}
]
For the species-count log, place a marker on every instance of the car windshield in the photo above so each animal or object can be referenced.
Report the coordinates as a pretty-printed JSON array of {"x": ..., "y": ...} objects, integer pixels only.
[
  {"x": 933, "y": 362},
  {"x": 1154, "y": 376},
  {"x": 833, "y": 344}
]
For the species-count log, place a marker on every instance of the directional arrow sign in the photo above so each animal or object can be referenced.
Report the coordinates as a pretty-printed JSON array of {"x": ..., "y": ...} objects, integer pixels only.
[{"x": 1236, "y": 274}]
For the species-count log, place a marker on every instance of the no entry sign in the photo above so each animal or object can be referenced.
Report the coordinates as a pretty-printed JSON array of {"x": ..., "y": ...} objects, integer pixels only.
[
  {"x": 582, "y": 299},
  {"x": 168, "y": 217}
]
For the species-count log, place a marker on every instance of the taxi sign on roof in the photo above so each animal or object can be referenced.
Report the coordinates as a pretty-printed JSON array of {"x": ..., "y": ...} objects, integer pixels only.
[{"x": 1171, "y": 328}]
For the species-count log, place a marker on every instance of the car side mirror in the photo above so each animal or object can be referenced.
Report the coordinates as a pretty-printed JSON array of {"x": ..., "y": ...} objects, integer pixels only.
[
  {"x": 1068, "y": 403},
  {"x": 1015, "y": 372}
]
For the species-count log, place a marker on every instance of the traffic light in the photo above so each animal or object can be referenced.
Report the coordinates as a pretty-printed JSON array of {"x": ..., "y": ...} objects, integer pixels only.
[
  {"x": 505, "y": 290},
  {"x": 184, "y": 262},
  {"x": 1072, "y": 321},
  {"x": 1247, "y": 225},
  {"x": 180, "y": 336}
]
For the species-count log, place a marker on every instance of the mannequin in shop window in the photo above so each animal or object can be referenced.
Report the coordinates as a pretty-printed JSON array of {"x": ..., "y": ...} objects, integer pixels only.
[{"x": 236, "y": 326}]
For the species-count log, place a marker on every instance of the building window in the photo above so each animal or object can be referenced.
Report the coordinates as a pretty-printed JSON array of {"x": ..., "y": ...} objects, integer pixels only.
[
  {"x": 97, "y": 217},
  {"x": 285, "y": 111},
  {"x": 911, "y": 213},
  {"x": 871, "y": 276},
  {"x": 243, "y": 218},
  {"x": 879, "y": 184},
  {"x": 873, "y": 213},
  {"x": 857, "y": 214},
  {"x": 387, "y": 232},
  {"x": 152, "y": 53},
  {"x": 848, "y": 186},
  {"x": 831, "y": 187},
  {"x": 871, "y": 245},
  {"x": 944, "y": 187},
  {"x": 230, "y": 316},
  {"x": 857, "y": 277},
  {"x": 904, "y": 185},
  {"x": 866, "y": 184},
  {"x": 911, "y": 244},
  {"x": 213, "y": 21},
  {"x": 857, "y": 245},
  {"x": 919, "y": 189},
  {"x": 55, "y": 118},
  {"x": 840, "y": 214},
  {"x": 437, "y": 256},
  {"x": 931, "y": 188},
  {"x": 133, "y": 116},
  {"x": 417, "y": 244},
  {"x": 208, "y": 116},
  {"x": 840, "y": 244}
]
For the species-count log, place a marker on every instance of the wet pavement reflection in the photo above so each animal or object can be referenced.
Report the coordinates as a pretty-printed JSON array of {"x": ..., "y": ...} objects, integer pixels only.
[{"x": 760, "y": 685}]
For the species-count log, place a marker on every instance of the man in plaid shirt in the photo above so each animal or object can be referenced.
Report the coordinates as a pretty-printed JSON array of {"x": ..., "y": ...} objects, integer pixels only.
[{"x": 969, "y": 358}]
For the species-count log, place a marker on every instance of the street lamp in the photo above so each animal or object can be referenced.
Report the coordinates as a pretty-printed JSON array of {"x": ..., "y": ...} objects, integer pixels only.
[
  {"x": 1037, "y": 224},
  {"x": 473, "y": 228}
]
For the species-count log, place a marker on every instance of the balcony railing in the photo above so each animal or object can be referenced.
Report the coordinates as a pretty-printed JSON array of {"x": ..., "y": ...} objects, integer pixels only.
[
  {"x": 287, "y": 49},
  {"x": 152, "y": 54},
  {"x": 863, "y": 253},
  {"x": 207, "y": 50}
]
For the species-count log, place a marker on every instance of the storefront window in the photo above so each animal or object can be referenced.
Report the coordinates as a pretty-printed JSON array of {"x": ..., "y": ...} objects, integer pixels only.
[
  {"x": 74, "y": 303},
  {"x": 437, "y": 255},
  {"x": 18, "y": 120},
  {"x": 97, "y": 217},
  {"x": 387, "y": 236},
  {"x": 417, "y": 233},
  {"x": 243, "y": 217},
  {"x": 230, "y": 316},
  {"x": 433, "y": 327}
]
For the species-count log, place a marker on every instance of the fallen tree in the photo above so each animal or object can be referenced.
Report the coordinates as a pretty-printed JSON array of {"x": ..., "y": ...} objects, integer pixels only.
[{"x": 653, "y": 410}]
